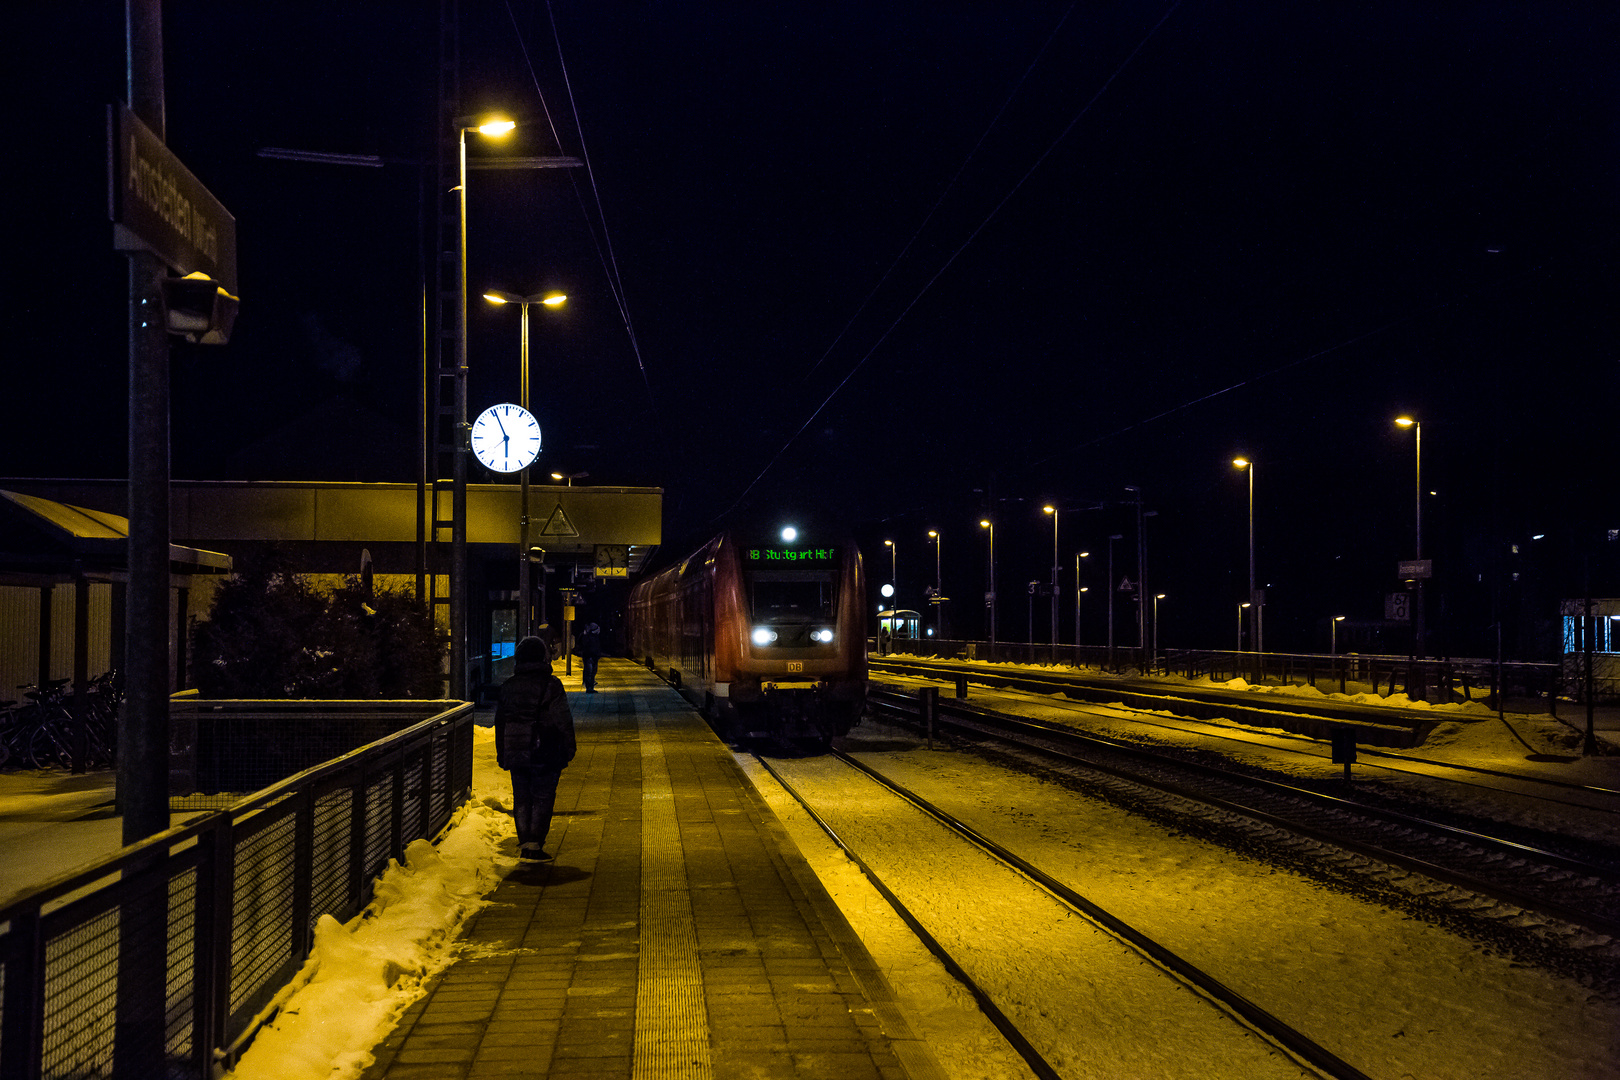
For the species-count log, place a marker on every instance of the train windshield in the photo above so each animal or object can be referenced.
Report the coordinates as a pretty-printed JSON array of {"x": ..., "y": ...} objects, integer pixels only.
[{"x": 791, "y": 597}]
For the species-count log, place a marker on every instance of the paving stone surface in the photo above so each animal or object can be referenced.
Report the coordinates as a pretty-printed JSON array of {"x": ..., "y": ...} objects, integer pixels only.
[{"x": 551, "y": 976}]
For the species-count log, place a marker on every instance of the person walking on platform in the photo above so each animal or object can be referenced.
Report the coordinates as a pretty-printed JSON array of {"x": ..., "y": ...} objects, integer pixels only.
[
  {"x": 590, "y": 651},
  {"x": 534, "y": 739}
]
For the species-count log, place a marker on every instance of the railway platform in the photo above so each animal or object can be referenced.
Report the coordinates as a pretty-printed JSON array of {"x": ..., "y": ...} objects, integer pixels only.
[{"x": 678, "y": 934}]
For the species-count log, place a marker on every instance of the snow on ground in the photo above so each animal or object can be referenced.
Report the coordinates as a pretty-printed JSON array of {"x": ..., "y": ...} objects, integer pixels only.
[
  {"x": 363, "y": 974},
  {"x": 1394, "y": 996}
]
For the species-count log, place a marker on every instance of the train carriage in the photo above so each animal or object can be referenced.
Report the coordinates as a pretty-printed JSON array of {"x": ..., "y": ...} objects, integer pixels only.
[{"x": 767, "y": 636}]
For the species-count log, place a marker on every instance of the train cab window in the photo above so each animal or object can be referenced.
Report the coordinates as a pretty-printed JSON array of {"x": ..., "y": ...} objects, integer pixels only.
[{"x": 785, "y": 596}]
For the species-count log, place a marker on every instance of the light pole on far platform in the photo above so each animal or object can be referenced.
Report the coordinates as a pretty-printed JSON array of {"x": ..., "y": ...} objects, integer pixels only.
[
  {"x": 1419, "y": 645},
  {"x": 1054, "y": 512},
  {"x": 1241, "y": 606},
  {"x": 1112, "y": 589},
  {"x": 1259, "y": 608},
  {"x": 551, "y": 300},
  {"x": 569, "y": 477},
  {"x": 990, "y": 594},
  {"x": 1077, "y": 591},
  {"x": 1333, "y": 634},
  {"x": 1156, "y": 598},
  {"x": 894, "y": 579},
  {"x": 939, "y": 588}
]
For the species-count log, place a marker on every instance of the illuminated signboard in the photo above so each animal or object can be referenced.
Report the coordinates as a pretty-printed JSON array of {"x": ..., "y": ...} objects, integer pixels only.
[{"x": 790, "y": 556}]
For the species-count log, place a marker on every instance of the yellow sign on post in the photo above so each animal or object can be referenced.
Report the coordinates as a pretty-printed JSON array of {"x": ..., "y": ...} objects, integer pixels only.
[{"x": 568, "y": 613}]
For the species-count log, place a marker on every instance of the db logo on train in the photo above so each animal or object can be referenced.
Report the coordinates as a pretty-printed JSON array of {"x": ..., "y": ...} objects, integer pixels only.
[{"x": 795, "y": 665}]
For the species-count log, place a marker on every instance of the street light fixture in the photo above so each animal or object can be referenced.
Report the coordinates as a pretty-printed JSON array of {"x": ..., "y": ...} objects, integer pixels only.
[
  {"x": 990, "y": 594},
  {"x": 1259, "y": 611},
  {"x": 552, "y": 300},
  {"x": 1240, "y": 627},
  {"x": 894, "y": 580},
  {"x": 494, "y": 126},
  {"x": 1333, "y": 634},
  {"x": 939, "y": 588},
  {"x": 1053, "y": 511},
  {"x": 570, "y": 477},
  {"x": 1112, "y": 589},
  {"x": 1077, "y": 591},
  {"x": 1419, "y": 648},
  {"x": 1156, "y": 598}
]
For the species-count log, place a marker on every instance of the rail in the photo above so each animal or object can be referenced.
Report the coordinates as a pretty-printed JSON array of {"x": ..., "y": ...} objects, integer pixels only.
[
  {"x": 158, "y": 960},
  {"x": 1452, "y": 679}
]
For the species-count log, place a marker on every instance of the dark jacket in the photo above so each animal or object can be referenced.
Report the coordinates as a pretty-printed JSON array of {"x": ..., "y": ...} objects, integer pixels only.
[
  {"x": 589, "y": 646},
  {"x": 533, "y": 726}
]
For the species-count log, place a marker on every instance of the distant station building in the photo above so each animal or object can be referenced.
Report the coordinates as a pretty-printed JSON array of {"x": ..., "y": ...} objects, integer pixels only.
[
  {"x": 1604, "y": 625},
  {"x": 54, "y": 532}
]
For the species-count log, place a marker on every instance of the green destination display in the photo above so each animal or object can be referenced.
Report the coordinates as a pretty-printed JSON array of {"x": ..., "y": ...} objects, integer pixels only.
[{"x": 759, "y": 556}]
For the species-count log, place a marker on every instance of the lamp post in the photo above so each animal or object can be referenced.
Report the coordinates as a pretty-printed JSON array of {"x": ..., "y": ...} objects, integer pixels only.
[
  {"x": 570, "y": 477},
  {"x": 990, "y": 594},
  {"x": 458, "y": 528},
  {"x": 1112, "y": 589},
  {"x": 1077, "y": 591},
  {"x": 1241, "y": 606},
  {"x": 1333, "y": 634},
  {"x": 1418, "y": 642},
  {"x": 1156, "y": 598},
  {"x": 1053, "y": 511},
  {"x": 894, "y": 581},
  {"x": 939, "y": 588},
  {"x": 551, "y": 300},
  {"x": 1259, "y": 610}
]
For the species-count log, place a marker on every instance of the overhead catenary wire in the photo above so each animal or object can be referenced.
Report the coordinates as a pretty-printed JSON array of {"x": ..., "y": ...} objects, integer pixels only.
[
  {"x": 605, "y": 254},
  {"x": 983, "y": 224}
]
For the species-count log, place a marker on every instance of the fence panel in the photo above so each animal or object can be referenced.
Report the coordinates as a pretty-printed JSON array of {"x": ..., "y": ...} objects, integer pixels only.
[{"x": 159, "y": 958}]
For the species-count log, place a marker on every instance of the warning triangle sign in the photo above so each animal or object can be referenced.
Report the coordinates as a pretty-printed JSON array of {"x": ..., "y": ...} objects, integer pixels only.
[
  {"x": 1125, "y": 585},
  {"x": 558, "y": 524}
]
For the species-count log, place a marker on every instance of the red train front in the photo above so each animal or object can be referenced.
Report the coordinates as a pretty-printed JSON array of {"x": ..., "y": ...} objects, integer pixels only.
[{"x": 765, "y": 634}]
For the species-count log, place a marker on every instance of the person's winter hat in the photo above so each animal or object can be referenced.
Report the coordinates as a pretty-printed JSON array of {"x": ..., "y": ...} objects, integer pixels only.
[{"x": 532, "y": 650}]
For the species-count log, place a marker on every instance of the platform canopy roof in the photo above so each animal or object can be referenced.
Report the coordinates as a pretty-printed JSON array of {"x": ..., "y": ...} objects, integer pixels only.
[{"x": 39, "y": 537}]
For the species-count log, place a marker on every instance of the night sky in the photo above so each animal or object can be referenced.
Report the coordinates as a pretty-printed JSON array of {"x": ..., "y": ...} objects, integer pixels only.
[{"x": 901, "y": 266}]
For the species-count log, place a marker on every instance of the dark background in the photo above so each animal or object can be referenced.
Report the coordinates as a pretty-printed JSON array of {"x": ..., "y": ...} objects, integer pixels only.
[{"x": 901, "y": 266}]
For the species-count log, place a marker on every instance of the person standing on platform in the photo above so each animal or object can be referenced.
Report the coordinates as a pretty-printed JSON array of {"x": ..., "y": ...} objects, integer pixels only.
[
  {"x": 534, "y": 739},
  {"x": 590, "y": 651}
]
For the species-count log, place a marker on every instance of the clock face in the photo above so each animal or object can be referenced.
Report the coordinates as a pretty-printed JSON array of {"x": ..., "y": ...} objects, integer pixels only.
[{"x": 506, "y": 438}]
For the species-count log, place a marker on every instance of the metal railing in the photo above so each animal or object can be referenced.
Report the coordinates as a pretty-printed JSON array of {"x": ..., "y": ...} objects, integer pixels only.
[
  {"x": 156, "y": 961},
  {"x": 1455, "y": 679}
]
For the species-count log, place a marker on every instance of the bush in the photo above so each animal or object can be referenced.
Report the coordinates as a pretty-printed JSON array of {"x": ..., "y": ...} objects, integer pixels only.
[{"x": 270, "y": 635}]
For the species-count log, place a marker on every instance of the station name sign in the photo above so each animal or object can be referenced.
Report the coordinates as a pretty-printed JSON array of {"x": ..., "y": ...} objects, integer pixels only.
[{"x": 156, "y": 204}]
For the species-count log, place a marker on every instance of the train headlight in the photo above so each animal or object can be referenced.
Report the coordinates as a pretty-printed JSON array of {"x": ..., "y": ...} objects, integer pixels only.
[
  {"x": 764, "y": 635},
  {"x": 821, "y": 635}
]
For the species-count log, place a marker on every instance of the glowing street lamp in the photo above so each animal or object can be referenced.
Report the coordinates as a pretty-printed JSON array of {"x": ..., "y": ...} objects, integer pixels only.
[
  {"x": 1259, "y": 611},
  {"x": 551, "y": 300},
  {"x": 1418, "y": 643},
  {"x": 990, "y": 594},
  {"x": 493, "y": 127},
  {"x": 1156, "y": 598},
  {"x": 1077, "y": 591},
  {"x": 1053, "y": 511},
  {"x": 569, "y": 477},
  {"x": 1333, "y": 634},
  {"x": 939, "y": 587},
  {"x": 1240, "y": 626}
]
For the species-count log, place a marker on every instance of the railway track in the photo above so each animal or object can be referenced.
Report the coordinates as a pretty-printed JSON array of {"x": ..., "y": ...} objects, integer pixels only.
[
  {"x": 1568, "y": 897},
  {"x": 1293, "y": 1052}
]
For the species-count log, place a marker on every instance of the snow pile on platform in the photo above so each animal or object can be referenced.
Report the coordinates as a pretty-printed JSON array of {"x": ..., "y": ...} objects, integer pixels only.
[{"x": 363, "y": 974}]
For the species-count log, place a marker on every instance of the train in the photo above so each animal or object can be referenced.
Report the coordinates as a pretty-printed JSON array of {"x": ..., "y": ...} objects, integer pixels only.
[{"x": 764, "y": 634}]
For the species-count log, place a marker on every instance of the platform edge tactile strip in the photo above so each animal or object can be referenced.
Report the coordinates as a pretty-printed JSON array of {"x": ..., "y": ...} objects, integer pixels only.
[{"x": 672, "y": 1029}]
